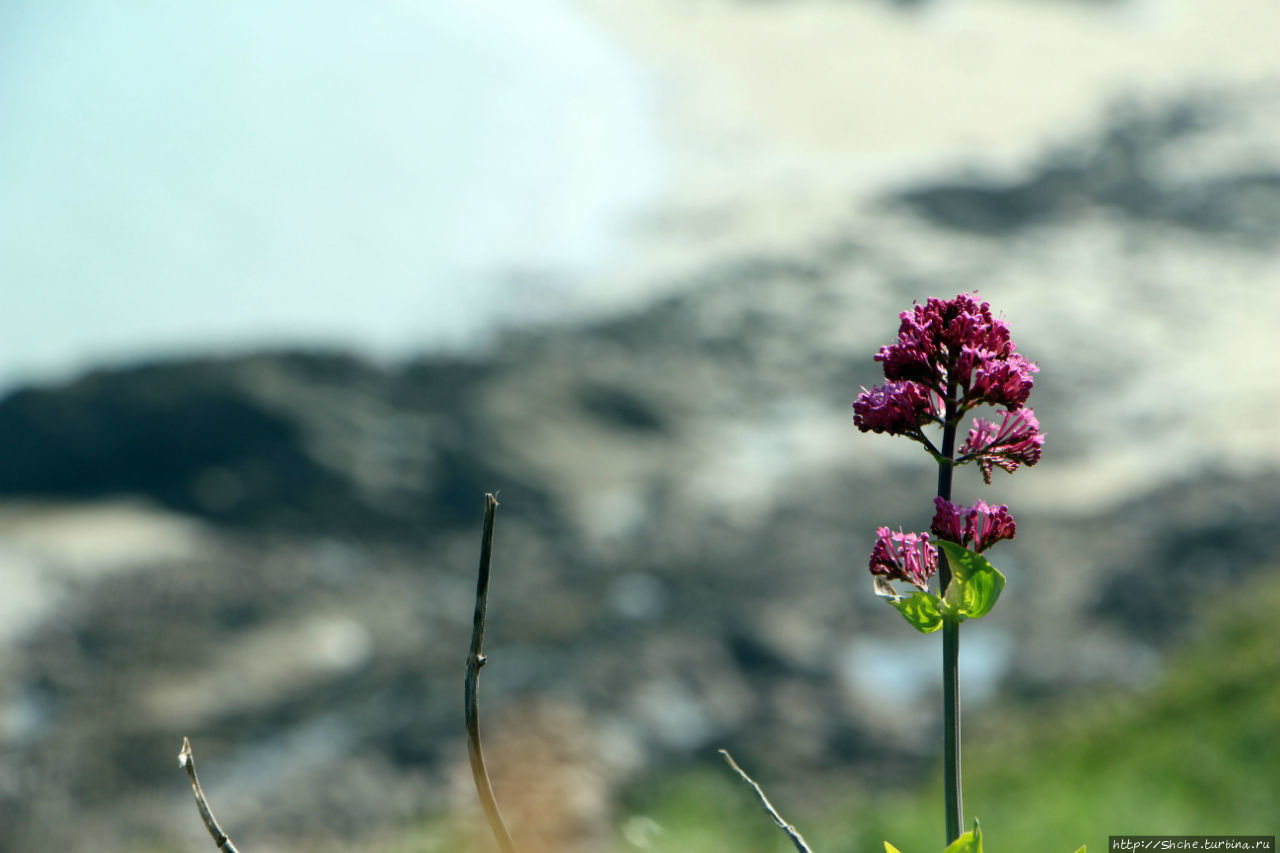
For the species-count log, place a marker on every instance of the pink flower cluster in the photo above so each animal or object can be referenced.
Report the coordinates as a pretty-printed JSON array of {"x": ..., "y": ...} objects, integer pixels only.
[
  {"x": 956, "y": 347},
  {"x": 904, "y": 557},
  {"x": 1016, "y": 441},
  {"x": 898, "y": 408},
  {"x": 951, "y": 356},
  {"x": 977, "y": 527}
]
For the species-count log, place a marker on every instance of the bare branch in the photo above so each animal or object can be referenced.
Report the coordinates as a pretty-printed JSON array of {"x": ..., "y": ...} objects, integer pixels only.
[
  {"x": 790, "y": 830},
  {"x": 475, "y": 660},
  {"x": 187, "y": 760}
]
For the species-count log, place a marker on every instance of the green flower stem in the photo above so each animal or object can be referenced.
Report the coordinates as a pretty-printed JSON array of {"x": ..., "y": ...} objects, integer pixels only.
[
  {"x": 950, "y": 645},
  {"x": 946, "y": 467},
  {"x": 951, "y": 726}
]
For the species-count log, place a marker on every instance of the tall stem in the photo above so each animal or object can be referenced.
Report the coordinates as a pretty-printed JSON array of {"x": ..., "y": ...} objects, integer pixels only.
[
  {"x": 471, "y": 701},
  {"x": 951, "y": 727},
  {"x": 950, "y": 648}
]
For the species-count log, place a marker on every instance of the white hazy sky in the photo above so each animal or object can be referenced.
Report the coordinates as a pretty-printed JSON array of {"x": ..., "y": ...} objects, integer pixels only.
[
  {"x": 210, "y": 175},
  {"x": 206, "y": 175}
]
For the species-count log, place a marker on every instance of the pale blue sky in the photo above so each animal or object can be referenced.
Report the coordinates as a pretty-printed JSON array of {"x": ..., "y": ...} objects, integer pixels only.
[{"x": 211, "y": 175}]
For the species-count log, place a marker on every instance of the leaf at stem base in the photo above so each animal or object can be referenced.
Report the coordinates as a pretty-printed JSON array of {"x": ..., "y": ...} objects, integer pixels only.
[{"x": 970, "y": 842}]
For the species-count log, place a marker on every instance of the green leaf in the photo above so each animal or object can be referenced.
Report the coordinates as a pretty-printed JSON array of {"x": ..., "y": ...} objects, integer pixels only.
[
  {"x": 975, "y": 583},
  {"x": 953, "y": 600},
  {"x": 889, "y": 848},
  {"x": 963, "y": 562},
  {"x": 921, "y": 610},
  {"x": 979, "y": 593},
  {"x": 970, "y": 842},
  {"x": 966, "y": 843},
  {"x": 1081, "y": 850}
]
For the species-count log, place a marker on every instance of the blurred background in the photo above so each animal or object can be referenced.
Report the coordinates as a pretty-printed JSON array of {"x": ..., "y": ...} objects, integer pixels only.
[{"x": 285, "y": 287}]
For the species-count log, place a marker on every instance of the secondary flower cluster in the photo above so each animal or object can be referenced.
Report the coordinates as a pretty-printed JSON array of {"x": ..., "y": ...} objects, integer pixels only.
[
  {"x": 1016, "y": 441},
  {"x": 976, "y": 528},
  {"x": 909, "y": 557},
  {"x": 898, "y": 408},
  {"x": 904, "y": 557}
]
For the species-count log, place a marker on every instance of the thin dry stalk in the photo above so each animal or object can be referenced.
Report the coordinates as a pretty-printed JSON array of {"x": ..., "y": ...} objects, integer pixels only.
[
  {"x": 187, "y": 760},
  {"x": 475, "y": 660},
  {"x": 791, "y": 831}
]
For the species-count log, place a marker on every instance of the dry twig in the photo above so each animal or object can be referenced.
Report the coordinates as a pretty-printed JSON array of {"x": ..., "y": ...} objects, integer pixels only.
[
  {"x": 188, "y": 761},
  {"x": 790, "y": 830},
  {"x": 475, "y": 660}
]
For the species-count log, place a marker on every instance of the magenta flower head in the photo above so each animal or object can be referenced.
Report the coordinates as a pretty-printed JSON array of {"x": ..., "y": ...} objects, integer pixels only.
[
  {"x": 1005, "y": 382},
  {"x": 904, "y": 557},
  {"x": 957, "y": 349},
  {"x": 1016, "y": 441},
  {"x": 898, "y": 408},
  {"x": 977, "y": 527}
]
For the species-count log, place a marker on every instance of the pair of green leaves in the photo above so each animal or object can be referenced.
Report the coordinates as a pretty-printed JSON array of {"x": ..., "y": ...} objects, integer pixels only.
[
  {"x": 975, "y": 586},
  {"x": 970, "y": 842}
]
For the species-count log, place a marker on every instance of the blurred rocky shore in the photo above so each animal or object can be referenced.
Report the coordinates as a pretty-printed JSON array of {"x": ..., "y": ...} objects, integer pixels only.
[{"x": 275, "y": 554}]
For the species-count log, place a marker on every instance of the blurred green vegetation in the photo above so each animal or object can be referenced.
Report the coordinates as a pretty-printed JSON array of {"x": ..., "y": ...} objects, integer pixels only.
[{"x": 1197, "y": 753}]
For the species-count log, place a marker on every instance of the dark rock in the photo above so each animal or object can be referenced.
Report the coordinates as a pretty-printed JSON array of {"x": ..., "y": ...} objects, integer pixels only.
[{"x": 1123, "y": 171}]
